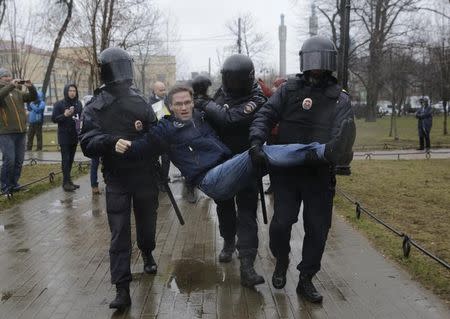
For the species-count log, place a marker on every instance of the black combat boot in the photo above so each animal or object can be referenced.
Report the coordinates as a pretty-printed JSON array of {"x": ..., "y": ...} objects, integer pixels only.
[
  {"x": 279, "y": 274},
  {"x": 306, "y": 289},
  {"x": 249, "y": 277},
  {"x": 75, "y": 185},
  {"x": 150, "y": 266},
  {"x": 69, "y": 187},
  {"x": 122, "y": 300},
  {"x": 229, "y": 246}
]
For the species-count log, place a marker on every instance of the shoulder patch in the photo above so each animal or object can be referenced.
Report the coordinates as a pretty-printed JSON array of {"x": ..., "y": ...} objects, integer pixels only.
[{"x": 250, "y": 107}]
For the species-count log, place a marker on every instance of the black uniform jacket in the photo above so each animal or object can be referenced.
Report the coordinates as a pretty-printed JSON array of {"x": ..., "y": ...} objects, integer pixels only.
[
  {"x": 232, "y": 117},
  {"x": 107, "y": 118}
]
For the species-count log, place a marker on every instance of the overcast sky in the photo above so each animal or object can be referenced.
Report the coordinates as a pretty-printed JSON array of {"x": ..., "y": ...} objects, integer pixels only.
[{"x": 197, "y": 21}]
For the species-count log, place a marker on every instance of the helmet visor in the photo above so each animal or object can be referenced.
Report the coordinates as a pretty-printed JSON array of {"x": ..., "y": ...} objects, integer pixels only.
[
  {"x": 117, "y": 71},
  {"x": 318, "y": 60}
]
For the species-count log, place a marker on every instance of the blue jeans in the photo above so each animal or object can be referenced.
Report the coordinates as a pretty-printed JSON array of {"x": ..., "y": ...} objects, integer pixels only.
[
  {"x": 95, "y": 162},
  {"x": 12, "y": 147},
  {"x": 225, "y": 180}
]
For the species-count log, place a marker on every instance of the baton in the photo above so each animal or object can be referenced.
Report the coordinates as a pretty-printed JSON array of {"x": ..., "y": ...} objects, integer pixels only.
[
  {"x": 263, "y": 200},
  {"x": 174, "y": 203},
  {"x": 170, "y": 194}
]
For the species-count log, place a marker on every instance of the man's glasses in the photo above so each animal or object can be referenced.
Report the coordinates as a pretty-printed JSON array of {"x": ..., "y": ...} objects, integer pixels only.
[{"x": 180, "y": 104}]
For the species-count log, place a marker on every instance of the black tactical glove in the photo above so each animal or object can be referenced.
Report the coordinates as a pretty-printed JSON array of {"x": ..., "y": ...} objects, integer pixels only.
[{"x": 258, "y": 158}]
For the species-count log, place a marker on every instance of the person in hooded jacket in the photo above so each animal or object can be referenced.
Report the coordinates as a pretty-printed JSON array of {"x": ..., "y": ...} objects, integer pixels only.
[
  {"x": 35, "y": 120},
  {"x": 424, "y": 123},
  {"x": 67, "y": 113}
]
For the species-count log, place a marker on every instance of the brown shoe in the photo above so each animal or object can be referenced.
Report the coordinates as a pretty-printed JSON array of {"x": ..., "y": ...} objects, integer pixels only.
[{"x": 96, "y": 191}]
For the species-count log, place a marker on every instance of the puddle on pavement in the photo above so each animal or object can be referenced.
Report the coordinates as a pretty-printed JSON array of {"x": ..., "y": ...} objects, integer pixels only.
[
  {"x": 7, "y": 227},
  {"x": 190, "y": 275}
]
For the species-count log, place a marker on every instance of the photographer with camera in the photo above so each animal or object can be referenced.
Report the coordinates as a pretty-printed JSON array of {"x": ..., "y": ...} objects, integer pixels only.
[
  {"x": 13, "y": 127},
  {"x": 67, "y": 113}
]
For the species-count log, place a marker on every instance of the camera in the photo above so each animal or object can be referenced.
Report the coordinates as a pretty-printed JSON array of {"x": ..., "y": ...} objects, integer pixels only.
[{"x": 22, "y": 82}]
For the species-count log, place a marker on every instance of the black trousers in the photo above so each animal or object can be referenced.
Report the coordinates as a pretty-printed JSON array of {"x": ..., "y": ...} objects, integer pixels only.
[
  {"x": 316, "y": 192},
  {"x": 424, "y": 138},
  {"x": 123, "y": 191},
  {"x": 241, "y": 221},
  {"x": 34, "y": 129},
  {"x": 67, "y": 156}
]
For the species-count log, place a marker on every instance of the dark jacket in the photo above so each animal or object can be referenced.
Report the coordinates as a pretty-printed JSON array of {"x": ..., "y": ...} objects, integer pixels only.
[
  {"x": 68, "y": 127},
  {"x": 193, "y": 146},
  {"x": 297, "y": 122},
  {"x": 36, "y": 109},
  {"x": 113, "y": 114},
  {"x": 154, "y": 99},
  {"x": 232, "y": 117},
  {"x": 425, "y": 118},
  {"x": 12, "y": 109}
]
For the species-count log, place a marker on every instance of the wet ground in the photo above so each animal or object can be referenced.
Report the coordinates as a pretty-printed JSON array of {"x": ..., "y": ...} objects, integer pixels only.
[{"x": 54, "y": 263}]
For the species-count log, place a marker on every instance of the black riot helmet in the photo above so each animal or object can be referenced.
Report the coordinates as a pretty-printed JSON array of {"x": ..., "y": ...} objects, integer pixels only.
[
  {"x": 318, "y": 53},
  {"x": 200, "y": 85},
  {"x": 238, "y": 75},
  {"x": 116, "y": 66}
]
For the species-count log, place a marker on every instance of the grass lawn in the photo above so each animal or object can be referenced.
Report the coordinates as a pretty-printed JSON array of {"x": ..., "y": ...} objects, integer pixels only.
[
  {"x": 373, "y": 135},
  {"x": 413, "y": 197},
  {"x": 34, "y": 172}
]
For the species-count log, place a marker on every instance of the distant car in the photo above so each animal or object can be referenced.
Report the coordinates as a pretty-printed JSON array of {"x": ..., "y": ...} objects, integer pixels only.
[
  {"x": 384, "y": 108},
  {"x": 438, "y": 107}
]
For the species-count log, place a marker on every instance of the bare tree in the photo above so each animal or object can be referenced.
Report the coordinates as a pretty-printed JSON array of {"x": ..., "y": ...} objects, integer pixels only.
[
  {"x": 2, "y": 10},
  {"x": 253, "y": 43},
  {"x": 379, "y": 18},
  {"x": 68, "y": 4},
  {"x": 104, "y": 23},
  {"x": 20, "y": 29}
]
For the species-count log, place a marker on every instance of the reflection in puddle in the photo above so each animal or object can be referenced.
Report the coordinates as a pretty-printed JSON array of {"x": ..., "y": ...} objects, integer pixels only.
[{"x": 193, "y": 275}]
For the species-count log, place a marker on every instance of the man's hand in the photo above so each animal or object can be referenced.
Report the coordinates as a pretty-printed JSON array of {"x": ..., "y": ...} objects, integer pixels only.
[
  {"x": 16, "y": 82},
  {"x": 258, "y": 157},
  {"x": 69, "y": 112},
  {"x": 28, "y": 83},
  {"x": 122, "y": 146}
]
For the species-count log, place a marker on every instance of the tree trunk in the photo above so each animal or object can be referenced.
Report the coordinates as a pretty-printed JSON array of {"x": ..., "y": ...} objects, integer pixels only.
[
  {"x": 445, "y": 105},
  {"x": 51, "y": 62}
]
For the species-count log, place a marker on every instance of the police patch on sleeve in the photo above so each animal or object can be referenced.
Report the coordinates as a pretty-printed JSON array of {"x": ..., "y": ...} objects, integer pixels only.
[
  {"x": 138, "y": 126},
  {"x": 307, "y": 103},
  {"x": 249, "y": 107}
]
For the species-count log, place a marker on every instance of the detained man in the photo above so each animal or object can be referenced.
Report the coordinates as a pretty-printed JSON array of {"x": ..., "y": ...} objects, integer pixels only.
[{"x": 194, "y": 148}]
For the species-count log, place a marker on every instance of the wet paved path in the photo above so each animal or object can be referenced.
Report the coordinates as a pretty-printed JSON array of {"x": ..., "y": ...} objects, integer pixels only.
[{"x": 54, "y": 264}]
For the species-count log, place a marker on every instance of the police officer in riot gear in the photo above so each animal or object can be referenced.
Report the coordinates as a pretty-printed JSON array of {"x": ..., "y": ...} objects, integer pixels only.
[
  {"x": 116, "y": 111},
  {"x": 231, "y": 114},
  {"x": 310, "y": 108}
]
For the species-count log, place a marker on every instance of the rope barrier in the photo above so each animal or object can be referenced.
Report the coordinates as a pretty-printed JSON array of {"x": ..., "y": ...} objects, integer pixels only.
[
  {"x": 51, "y": 177},
  {"x": 428, "y": 155},
  {"x": 407, "y": 240}
]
